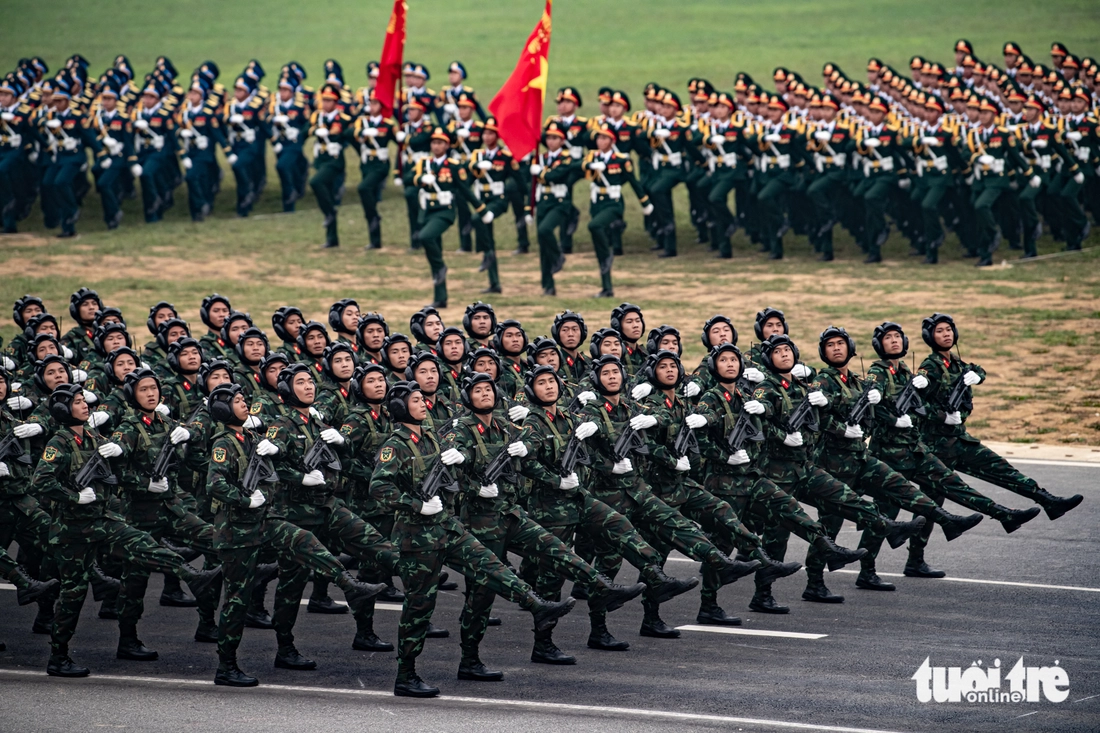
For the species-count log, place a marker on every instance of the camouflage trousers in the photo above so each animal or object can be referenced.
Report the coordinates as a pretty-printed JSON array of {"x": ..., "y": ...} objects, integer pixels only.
[
  {"x": 7, "y": 563},
  {"x": 761, "y": 505},
  {"x": 521, "y": 534},
  {"x": 364, "y": 618},
  {"x": 292, "y": 546},
  {"x": 342, "y": 531},
  {"x": 24, "y": 521},
  {"x": 187, "y": 529},
  {"x": 967, "y": 455},
  {"x": 419, "y": 571},
  {"x": 891, "y": 491},
  {"x": 74, "y": 561}
]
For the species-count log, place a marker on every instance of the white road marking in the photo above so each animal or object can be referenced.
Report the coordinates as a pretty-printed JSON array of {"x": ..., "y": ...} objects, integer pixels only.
[
  {"x": 377, "y": 606},
  {"x": 751, "y": 632},
  {"x": 1047, "y": 462},
  {"x": 547, "y": 706},
  {"x": 1010, "y": 583}
]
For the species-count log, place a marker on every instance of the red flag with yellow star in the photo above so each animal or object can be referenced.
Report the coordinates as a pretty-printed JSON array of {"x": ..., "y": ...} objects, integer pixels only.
[
  {"x": 389, "y": 65},
  {"x": 518, "y": 104}
]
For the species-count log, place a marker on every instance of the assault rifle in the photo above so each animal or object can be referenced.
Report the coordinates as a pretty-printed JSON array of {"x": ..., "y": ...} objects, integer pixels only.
[
  {"x": 439, "y": 478},
  {"x": 743, "y": 430},
  {"x": 96, "y": 469},
  {"x": 10, "y": 447},
  {"x": 321, "y": 454},
  {"x": 803, "y": 416},
  {"x": 909, "y": 401},
  {"x": 259, "y": 471},
  {"x": 686, "y": 442},
  {"x": 575, "y": 453},
  {"x": 862, "y": 405},
  {"x": 629, "y": 441}
]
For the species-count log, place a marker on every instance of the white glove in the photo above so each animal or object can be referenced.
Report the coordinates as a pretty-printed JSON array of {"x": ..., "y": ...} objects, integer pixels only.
[
  {"x": 110, "y": 450},
  {"x": 462, "y": 132},
  {"x": 333, "y": 149},
  {"x": 266, "y": 448},
  {"x": 1035, "y": 182},
  {"x": 642, "y": 391},
  {"x": 585, "y": 430},
  {"x": 158, "y": 486},
  {"x": 135, "y": 170},
  {"x": 528, "y": 220},
  {"x": 4, "y": 470},
  {"x": 7, "y": 363},
  {"x": 332, "y": 436},
  {"x": 661, "y": 133},
  {"x": 793, "y": 440},
  {"x": 98, "y": 418},
  {"x": 569, "y": 482},
  {"x": 517, "y": 449},
  {"x": 321, "y": 132},
  {"x": 535, "y": 169},
  {"x": 187, "y": 163},
  {"x": 314, "y": 412},
  {"x": 932, "y": 142},
  {"x": 623, "y": 466},
  {"x": 7, "y": 116},
  {"x": 853, "y": 432},
  {"x": 695, "y": 421},
  {"x": 716, "y": 139},
  {"x": 158, "y": 141},
  {"x": 920, "y": 381},
  {"x": 276, "y": 148},
  {"x": 1074, "y": 136},
  {"x": 231, "y": 159},
  {"x": 202, "y": 142},
  {"x": 682, "y": 464},
  {"x": 20, "y": 403},
  {"x": 86, "y": 495},
  {"x": 817, "y": 399},
  {"x": 872, "y": 142},
  {"x": 953, "y": 418},
  {"x": 691, "y": 389},
  {"x": 985, "y": 159},
  {"x": 370, "y": 132},
  {"x": 1038, "y": 144},
  {"x": 647, "y": 209},
  {"x": 106, "y": 163},
  {"x": 488, "y": 492},
  {"x": 823, "y": 136},
  {"x": 451, "y": 109},
  {"x": 399, "y": 182},
  {"x": 485, "y": 165},
  {"x": 292, "y": 134},
  {"x": 753, "y": 407},
  {"x": 162, "y": 409},
  {"x": 451, "y": 457},
  {"x": 904, "y": 184},
  {"x": 256, "y": 500},
  {"x": 518, "y": 412},
  {"x": 488, "y": 217},
  {"x": 642, "y": 422},
  {"x": 235, "y": 118},
  {"x": 586, "y": 396},
  {"x": 66, "y": 352},
  {"x": 903, "y": 423},
  {"x": 399, "y": 136},
  {"x": 313, "y": 478},
  {"x": 427, "y": 179},
  {"x": 874, "y": 397},
  {"x": 740, "y": 458},
  {"x": 1079, "y": 178},
  {"x": 253, "y": 422},
  {"x": 971, "y": 378},
  {"x": 179, "y": 435},
  {"x": 27, "y": 430},
  {"x": 597, "y": 165},
  {"x": 801, "y": 371},
  {"x": 754, "y": 375},
  {"x": 280, "y": 119},
  {"x": 432, "y": 506},
  {"x": 55, "y": 123}
]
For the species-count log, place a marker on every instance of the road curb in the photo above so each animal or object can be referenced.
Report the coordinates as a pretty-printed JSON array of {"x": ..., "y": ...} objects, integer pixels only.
[{"x": 1043, "y": 452}]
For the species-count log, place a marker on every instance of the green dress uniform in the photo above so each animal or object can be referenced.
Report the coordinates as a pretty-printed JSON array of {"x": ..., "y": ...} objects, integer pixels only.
[
  {"x": 553, "y": 204},
  {"x": 780, "y": 154},
  {"x": 607, "y": 174},
  {"x": 373, "y": 135},
  {"x": 414, "y": 146},
  {"x": 883, "y": 163},
  {"x": 116, "y": 138},
  {"x": 670, "y": 148},
  {"x": 936, "y": 156},
  {"x": 467, "y": 139},
  {"x": 288, "y": 123},
  {"x": 155, "y": 147},
  {"x": 493, "y": 172},
  {"x": 1044, "y": 148},
  {"x": 17, "y": 138},
  {"x": 994, "y": 156},
  {"x": 626, "y": 142},
  {"x": 728, "y": 157},
  {"x": 1081, "y": 135},
  {"x": 328, "y": 159},
  {"x": 829, "y": 145},
  {"x": 436, "y": 196},
  {"x": 575, "y": 129},
  {"x": 65, "y": 135},
  {"x": 246, "y": 133},
  {"x": 201, "y": 133}
]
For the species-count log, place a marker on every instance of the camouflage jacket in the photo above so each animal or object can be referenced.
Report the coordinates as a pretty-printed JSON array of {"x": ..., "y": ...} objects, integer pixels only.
[{"x": 942, "y": 373}]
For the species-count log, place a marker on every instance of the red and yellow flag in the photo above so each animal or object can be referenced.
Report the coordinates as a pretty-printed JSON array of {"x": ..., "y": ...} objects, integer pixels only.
[
  {"x": 389, "y": 66},
  {"x": 518, "y": 104}
]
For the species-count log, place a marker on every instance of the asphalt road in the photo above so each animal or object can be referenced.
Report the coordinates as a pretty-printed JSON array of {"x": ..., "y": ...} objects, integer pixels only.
[{"x": 847, "y": 667}]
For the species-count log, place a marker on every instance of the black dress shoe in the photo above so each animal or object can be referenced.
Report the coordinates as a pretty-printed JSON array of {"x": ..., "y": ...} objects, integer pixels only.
[
  {"x": 207, "y": 633},
  {"x": 65, "y": 667},
  {"x": 135, "y": 651},
  {"x": 493, "y": 621},
  {"x": 664, "y": 255},
  {"x": 289, "y": 658},
  {"x": 550, "y": 291},
  {"x": 603, "y": 640},
  {"x": 818, "y": 592},
  {"x": 1019, "y": 517},
  {"x": 177, "y": 598},
  {"x": 491, "y": 289},
  {"x": 658, "y": 629},
  {"x": 412, "y": 686},
  {"x": 920, "y": 569},
  {"x": 547, "y": 652},
  {"x": 605, "y": 294},
  {"x": 325, "y": 605},
  {"x": 434, "y": 632},
  {"x": 716, "y": 616},
  {"x": 230, "y": 675},
  {"x": 474, "y": 670},
  {"x": 869, "y": 580},
  {"x": 370, "y": 643},
  {"x": 438, "y": 304},
  {"x": 766, "y": 603}
]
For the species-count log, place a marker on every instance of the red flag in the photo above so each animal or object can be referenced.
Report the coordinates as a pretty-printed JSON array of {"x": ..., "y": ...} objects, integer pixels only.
[
  {"x": 389, "y": 67},
  {"x": 518, "y": 104}
]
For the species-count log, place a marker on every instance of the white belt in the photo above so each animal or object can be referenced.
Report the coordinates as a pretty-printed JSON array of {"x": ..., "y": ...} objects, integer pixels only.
[
  {"x": 576, "y": 151},
  {"x": 492, "y": 188},
  {"x": 674, "y": 159},
  {"x": 940, "y": 162},
  {"x": 379, "y": 154},
  {"x": 729, "y": 160},
  {"x": 612, "y": 192},
  {"x": 997, "y": 166},
  {"x": 443, "y": 198},
  {"x": 558, "y": 191},
  {"x": 1082, "y": 154},
  {"x": 1044, "y": 162}
]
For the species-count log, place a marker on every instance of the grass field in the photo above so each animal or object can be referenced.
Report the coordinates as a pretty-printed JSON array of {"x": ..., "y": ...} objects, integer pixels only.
[{"x": 1033, "y": 326}]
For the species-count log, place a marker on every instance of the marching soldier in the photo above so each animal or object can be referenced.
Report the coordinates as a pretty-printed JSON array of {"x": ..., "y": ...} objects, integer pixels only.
[
  {"x": 575, "y": 129},
  {"x": 200, "y": 130},
  {"x": 728, "y": 158},
  {"x": 115, "y": 134},
  {"x": 449, "y": 95},
  {"x": 670, "y": 147},
  {"x": 65, "y": 134},
  {"x": 413, "y": 146},
  {"x": 155, "y": 146},
  {"x": 333, "y": 129},
  {"x": 289, "y": 120},
  {"x": 494, "y": 170},
  {"x": 554, "y": 173},
  {"x": 466, "y": 133},
  {"x": 374, "y": 133}
]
